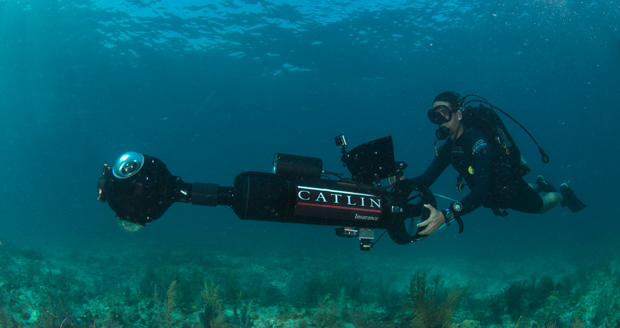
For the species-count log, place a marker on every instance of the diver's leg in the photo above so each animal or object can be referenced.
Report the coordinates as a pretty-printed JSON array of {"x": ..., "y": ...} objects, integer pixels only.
[{"x": 551, "y": 200}]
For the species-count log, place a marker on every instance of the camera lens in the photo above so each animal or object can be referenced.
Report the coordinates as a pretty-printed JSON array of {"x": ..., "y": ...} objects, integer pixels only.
[{"x": 128, "y": 165}]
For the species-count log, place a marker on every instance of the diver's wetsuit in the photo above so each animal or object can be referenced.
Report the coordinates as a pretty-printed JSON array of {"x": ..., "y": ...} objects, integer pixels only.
[{"x": 491, "y": 185}]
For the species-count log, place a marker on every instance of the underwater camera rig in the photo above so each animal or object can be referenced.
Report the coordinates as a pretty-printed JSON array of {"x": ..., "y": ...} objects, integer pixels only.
[{"x": 139, "y": 188}]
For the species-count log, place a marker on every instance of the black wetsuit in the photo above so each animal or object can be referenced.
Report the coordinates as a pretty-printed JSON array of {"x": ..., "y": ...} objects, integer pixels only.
[{"x": 491, "y": 184}]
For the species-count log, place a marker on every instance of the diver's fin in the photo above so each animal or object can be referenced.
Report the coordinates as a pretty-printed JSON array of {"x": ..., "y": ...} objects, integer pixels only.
[{"x": 570, "y": 200}]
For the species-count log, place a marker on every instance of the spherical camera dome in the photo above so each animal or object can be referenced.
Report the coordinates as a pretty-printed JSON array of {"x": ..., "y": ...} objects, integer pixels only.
[{"x": 128, "y": 165}]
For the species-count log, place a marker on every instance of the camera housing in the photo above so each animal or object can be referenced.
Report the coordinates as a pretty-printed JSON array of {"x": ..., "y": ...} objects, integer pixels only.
[{"x": 139, "y": 188}]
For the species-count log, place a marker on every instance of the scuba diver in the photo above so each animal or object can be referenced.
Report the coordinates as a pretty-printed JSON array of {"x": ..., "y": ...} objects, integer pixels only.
[
  {"x": 140, "y": 188},
  {"x": 484, "y": 154}
]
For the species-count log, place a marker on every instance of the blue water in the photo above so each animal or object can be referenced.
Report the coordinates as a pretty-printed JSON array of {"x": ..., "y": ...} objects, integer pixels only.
[{"x": 215, "y": 88}]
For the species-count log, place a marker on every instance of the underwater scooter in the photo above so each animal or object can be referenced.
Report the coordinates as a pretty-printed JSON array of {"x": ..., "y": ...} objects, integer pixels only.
[{"x": 139, "y": 188}]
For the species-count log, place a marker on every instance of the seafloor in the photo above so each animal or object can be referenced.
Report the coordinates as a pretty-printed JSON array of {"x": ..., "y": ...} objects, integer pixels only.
[{"x": 185, "y": 284}]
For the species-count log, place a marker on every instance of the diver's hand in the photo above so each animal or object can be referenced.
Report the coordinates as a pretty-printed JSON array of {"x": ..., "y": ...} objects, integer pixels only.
[
  {"x": 392, "y": 180},
  {"x": 434, "y": 221}
]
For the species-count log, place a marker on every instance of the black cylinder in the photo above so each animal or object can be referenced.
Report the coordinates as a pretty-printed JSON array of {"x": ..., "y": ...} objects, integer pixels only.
[
  {"x": 294, "y": 167},
  {"x": 268, "y": 197},
  {"x": 204, "y": 194}
]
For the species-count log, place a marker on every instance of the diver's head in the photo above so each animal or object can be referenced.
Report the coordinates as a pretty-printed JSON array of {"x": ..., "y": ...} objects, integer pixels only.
[
  {"x": 450, "y": 97},
  {"x": 446, "y": 112}
]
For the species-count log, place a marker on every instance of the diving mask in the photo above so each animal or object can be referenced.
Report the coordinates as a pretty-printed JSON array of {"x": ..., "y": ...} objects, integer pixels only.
[{"x": 440, "y": 114}]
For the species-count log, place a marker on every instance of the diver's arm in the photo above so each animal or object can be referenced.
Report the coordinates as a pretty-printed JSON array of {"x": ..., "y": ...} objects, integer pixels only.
[
  {"x": 404, "y": 186},
  {"x": 483, "y": 159},
  {"x": 432, "y": 173}
]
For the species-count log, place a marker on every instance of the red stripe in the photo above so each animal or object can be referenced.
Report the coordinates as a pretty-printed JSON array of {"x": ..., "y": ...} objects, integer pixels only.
[{"x": 340, "y": 207}]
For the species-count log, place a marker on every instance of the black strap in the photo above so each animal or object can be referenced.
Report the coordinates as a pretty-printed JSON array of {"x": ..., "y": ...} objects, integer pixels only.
[{"x": 459, "y": 221}]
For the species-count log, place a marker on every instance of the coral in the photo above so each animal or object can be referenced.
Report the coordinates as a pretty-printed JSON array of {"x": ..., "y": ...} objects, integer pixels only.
[
  {"x": 73, "y": 293},
  {"x": 577, "y": 323},
  {"x": 269, "y": 295},
  {"x": 362, "y": 318},
  {"x": 468, "y": 324},
  {"x": 326, "y": 315},
  {"x": 243, "y": 314},
  {"x": 514, "y": 298},
  {"x": 171, "y": 300},
  {"x": 232, "y": 285},
  {"x": 213, "y": 315},
  {"x": 430, "y": 310},
  {"x": 523, "y": 298},
  {"x": 165, "y": 309},
  {"x": 5, "y": 319}
]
